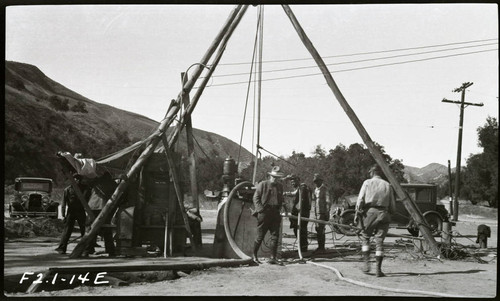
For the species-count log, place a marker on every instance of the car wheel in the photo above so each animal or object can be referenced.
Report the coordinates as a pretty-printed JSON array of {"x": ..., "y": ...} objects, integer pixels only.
[
  {"x": 347, "y": 219},
  {"x": 435, "y": 222}
]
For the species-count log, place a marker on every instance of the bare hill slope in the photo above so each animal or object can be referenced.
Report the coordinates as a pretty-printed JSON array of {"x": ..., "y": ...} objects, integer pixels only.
[{"x": 43, "y": 117}]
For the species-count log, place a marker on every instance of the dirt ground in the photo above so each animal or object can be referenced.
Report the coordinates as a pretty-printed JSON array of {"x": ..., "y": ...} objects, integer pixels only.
[{"x": 409, "y": 272}]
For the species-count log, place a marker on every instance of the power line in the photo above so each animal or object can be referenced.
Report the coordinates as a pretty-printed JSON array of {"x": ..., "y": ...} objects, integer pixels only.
[
  {"x": 358, "y": 61},
  {"x": 360, "y": 68},
  {"x": 371, "y": 52}
]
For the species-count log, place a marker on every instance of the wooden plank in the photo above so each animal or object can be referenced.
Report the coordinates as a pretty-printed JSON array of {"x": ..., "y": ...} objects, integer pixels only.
[
  {"x": 407, "y": 201},
  {"x": 156, "y": 266}
]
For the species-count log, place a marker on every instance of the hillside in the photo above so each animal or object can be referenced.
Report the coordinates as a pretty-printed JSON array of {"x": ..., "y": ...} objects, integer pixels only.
[
  {"x": 43, "y": 117},
  {"x": 431, "y": 173}
]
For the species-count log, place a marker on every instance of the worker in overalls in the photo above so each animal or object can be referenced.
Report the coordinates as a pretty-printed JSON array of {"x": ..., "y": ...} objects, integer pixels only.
[{"x": 376, "y": 201}]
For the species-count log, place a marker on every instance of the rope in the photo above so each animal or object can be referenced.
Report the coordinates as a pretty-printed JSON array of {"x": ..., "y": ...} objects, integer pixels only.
[
  {"x": 377, "y": 287},
  {"x": 248, "y": 89}
]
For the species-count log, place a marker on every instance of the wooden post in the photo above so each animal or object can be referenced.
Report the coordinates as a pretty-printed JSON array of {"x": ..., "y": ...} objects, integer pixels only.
[
  {"x": 190, "y": 148},
  {"x": 169, "y": 118},
  {"x": 459, "y": 147},
  {"x": 446, "y": 234},
  {"x": 175, "y": 179},
  {"x": 408, "y": 203}
]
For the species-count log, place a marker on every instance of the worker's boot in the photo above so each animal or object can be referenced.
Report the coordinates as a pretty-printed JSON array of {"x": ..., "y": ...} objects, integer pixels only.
[
  {"x": 379, "y": 272},
  {"x": 255, "y": 258},
  {"x": 366, "y": 265}
]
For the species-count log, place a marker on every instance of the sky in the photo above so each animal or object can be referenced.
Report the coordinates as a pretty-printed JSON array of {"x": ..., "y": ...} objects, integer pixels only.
[{"x": 393, "y": 63}]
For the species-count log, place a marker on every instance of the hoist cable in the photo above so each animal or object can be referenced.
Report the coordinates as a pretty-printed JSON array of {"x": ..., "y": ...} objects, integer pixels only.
[
  {"x": 259, "y": 85},
  {"x": 248, "y": 91}
]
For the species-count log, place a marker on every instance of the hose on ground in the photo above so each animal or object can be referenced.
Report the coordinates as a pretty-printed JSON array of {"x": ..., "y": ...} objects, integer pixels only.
[{"x": 341, "y": 277}]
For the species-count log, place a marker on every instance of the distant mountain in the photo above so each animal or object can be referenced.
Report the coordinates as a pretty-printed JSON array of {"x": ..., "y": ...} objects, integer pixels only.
[
  {"x": 432, "y": 173},
  {"x": 43, "y": 117}
]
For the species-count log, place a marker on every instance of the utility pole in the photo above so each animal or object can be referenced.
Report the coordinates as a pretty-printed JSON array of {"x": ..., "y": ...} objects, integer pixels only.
[{"x": 459, "y": 150}]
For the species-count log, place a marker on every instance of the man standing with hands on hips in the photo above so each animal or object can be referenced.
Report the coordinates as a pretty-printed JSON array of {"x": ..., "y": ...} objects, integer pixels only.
[
  {"x": 375, "y": 202},
  {"x": 268, "y": 200}
]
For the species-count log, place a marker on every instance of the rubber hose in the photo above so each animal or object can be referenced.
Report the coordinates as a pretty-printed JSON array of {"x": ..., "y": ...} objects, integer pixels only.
[
  {"x": 387, "y": 288},
  {"x": 229, "y": 236}
]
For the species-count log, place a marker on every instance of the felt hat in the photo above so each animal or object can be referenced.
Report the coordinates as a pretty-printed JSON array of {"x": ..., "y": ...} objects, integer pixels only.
[
  {"x": 317, "y": 177},
  {"x": 276, "y": 172}
]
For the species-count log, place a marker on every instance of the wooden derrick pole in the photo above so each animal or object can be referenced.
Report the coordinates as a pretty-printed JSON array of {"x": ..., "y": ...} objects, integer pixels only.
[
  {"x": 408, "y": 202},
  {"x": 190, "y": 148},
  {"x": 169, "y": 118},
  {"x": 189, "y": 109},
  {"x": 175, "y": 179}
]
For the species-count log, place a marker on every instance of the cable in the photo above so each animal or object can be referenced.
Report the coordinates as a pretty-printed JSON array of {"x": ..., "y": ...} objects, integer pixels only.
[
  {"x": 358, "y": 61},
  {"x": 371, "y": 52},
  {"x": 248, "y": 90},
  {"x": 361, "y": 68}
]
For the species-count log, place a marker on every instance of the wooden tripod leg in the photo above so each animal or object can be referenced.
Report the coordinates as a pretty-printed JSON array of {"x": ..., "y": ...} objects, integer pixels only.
[{"x": 178, "y": 192}]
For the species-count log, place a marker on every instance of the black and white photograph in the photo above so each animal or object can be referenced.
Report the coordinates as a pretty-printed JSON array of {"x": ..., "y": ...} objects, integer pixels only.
[{"x": 250, "y": 149}]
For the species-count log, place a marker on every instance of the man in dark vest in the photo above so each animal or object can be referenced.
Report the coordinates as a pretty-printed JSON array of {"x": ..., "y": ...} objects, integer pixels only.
[
  {"x": 305, "y": 208},
  {"x": 75, "y": 212},
  {"x": 268, "y": 200}
]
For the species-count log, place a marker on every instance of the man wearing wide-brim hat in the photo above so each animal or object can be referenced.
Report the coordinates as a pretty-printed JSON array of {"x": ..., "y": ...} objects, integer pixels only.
[{"x": 268, "y": 200}]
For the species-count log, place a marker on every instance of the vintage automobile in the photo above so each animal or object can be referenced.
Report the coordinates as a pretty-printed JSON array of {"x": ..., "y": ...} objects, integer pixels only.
[
  {"x": 32, "y": 197},
  {"x": 425, "y": 197}
]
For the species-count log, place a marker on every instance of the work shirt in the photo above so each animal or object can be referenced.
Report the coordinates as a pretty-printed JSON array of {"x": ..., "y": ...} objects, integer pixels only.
[
  {"x": 377, "y": 193},
  {"x": 305, "y": 194},
  {"x": 70, "y": 199},
  {"x": 322, "y": 200},
  {"x": 273, "y": 198},
  {"x": 262, "y": 196}
]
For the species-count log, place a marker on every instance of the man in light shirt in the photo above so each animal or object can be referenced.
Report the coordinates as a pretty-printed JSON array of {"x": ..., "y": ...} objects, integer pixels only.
[
  {"x": 322, "y": 205},
  {"x": 376, "y": 201}
]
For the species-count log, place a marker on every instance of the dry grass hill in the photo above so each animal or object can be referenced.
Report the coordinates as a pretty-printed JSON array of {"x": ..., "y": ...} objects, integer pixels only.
[{"x": 43, "y": 117}]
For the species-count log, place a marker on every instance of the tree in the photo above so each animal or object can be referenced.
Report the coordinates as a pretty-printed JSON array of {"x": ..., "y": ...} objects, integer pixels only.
[
  {"x": 79, "y": 107},
  {"x": 480, "y": 181}
]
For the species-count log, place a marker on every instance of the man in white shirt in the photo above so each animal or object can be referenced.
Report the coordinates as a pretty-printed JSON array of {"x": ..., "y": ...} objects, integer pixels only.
[{"x": 376, "y": 200}]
